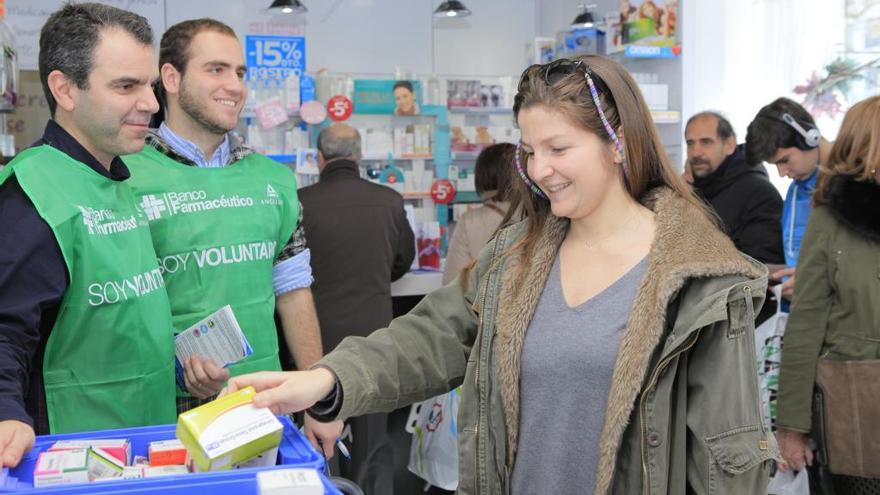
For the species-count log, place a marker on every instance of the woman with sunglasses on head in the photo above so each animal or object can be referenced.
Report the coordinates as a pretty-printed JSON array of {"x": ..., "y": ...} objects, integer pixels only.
[{"x": 604, "y": 343}]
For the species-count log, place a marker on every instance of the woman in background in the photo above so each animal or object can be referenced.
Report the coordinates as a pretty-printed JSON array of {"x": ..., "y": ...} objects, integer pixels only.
[
  {"x": 833, "y": 332},
  {"x": 474, "y": 229}
]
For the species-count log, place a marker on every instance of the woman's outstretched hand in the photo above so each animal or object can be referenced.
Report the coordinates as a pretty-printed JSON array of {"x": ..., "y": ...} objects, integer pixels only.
[{"x": 285, "y": 392}]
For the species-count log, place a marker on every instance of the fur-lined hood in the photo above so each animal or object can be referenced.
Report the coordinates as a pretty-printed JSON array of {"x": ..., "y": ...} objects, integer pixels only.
[
  {"x": 856, "y": 204},
  {"x": 686, "y": 245}
]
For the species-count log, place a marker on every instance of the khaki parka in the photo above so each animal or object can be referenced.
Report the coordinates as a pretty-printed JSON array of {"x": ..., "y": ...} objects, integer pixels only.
[
  {"x": 683, "y": 408},
  {"x": 835, "y": 313}
]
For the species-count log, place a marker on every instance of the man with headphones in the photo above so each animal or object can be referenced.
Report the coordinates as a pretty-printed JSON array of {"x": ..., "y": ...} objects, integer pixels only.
[{"x": 784, "y": 134}]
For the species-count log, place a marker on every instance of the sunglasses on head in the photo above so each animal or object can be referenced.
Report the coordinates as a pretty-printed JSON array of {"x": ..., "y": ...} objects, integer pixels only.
[{"x": 551, "y": 74}]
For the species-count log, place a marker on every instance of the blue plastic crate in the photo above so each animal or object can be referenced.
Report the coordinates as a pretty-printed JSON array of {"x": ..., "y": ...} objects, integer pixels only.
[{"x": 294, "y": 451}]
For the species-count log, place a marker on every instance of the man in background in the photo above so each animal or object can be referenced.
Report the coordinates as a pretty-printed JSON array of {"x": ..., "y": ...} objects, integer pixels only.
[
  {"x": 361, "y": 242},
  {"x": 743, "y": 197},
  {"x": 784, "y": 134},
  {"x": 225, "y": 220}
]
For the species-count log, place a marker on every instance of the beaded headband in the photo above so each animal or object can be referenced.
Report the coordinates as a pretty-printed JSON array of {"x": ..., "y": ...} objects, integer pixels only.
[{"x": 594, "y": 93}]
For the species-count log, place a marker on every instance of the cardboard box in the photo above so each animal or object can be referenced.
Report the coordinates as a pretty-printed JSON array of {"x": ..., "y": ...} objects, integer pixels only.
[
  {"x": 120, "y": 448},
  {"x": 228, "y": 431},
  {"x": 174, "y": 470},
  {"x": 167, "y": 453},
  {"x": 102, "y": 465},
  {"x": 289, "y": 482},
  {"x": 62, "y": 467}
]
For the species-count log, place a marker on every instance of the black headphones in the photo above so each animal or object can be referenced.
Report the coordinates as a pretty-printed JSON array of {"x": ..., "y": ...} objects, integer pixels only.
[{"x": 807, "y": 136}]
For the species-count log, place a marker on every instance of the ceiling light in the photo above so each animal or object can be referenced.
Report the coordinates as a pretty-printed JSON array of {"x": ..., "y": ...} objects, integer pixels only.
[
  {"x": 289, "y": 6},
  {"x": 451, "y": 8},
  {"x": 585, "y": 18}
]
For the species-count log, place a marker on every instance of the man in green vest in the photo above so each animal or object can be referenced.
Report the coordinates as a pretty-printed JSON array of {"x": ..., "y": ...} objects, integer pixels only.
[
  {"x": 225, "y": 220},
  {"x": 86, "y": 340}
]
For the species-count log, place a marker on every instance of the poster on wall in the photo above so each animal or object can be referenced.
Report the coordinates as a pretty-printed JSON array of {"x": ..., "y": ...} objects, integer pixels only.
[
  {"x": 643, "y": 23},
  {"x": 274, "y": 57},
  {"x": 387, "y": 96},
  {"x": 26, "y": 17}
]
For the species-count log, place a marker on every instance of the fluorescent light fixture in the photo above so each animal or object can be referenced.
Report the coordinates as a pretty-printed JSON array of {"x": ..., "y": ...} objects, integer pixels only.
[
  {"x": 451, "y": 8},
  {"x": 289, "y": 6}
]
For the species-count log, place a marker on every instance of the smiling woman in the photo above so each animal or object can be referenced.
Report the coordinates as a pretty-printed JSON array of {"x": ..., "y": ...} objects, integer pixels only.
[{"x": 589, "y": 332}]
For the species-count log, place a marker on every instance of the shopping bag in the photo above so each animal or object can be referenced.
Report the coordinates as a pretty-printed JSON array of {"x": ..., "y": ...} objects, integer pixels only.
[
  {"x": 768, "y": 349},
  {"x": 789, "y": 483},
  {"x": 433, "y": 455}
]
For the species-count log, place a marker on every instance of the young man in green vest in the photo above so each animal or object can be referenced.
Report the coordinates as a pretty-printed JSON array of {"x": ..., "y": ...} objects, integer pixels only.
[
  {"x": 86, "y": 341},
  {"x": 225, "y": 220}
]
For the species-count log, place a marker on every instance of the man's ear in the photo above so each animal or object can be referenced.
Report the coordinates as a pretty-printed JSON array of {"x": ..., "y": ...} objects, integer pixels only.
[
  {"x": 63, "y": 89},
  {"x": 170, "y": 79},
  {"x": 729, "y": 146}
]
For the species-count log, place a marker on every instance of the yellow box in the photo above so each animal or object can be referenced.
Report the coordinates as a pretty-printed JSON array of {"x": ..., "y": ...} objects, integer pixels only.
[{"x": 228, "y": 431}]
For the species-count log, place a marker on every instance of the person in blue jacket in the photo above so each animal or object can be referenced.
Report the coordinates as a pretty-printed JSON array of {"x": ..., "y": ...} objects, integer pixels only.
[{"x": 784, "y": 134}]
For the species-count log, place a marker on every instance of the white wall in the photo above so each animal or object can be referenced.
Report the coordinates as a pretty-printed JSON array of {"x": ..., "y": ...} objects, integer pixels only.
[
  {"x": 740, "y": 55},
  {"x": 358, "y": 36}
]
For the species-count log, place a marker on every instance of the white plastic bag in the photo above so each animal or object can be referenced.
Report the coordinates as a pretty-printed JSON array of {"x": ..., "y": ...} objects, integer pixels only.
[
  {"x": 433, "y": 455},
  {"x": 788, "y": 483},
  {"x": 768, "y": 348}
]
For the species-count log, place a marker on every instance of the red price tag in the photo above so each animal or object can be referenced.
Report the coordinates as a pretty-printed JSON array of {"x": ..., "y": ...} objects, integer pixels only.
[
  {"x": 339, "y": 108},
  {"x": 442, "y": 191}
]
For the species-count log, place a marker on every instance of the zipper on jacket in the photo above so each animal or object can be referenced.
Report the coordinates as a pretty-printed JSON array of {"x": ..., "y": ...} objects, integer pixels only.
[
  {"x": 643, "y": 425},
  {"x": 481, "y": 445}
]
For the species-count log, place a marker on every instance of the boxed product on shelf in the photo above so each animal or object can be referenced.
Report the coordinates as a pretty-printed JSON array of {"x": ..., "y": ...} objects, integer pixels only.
[
  {"x": 540, "y": 50},
  {"x": 376, "y": 141},
  {"x": 580, "y": 41},
  {"x": 475, "y": 138},
  {"x": 463, "y": 93},
  {"x": 476, "y": 94}
]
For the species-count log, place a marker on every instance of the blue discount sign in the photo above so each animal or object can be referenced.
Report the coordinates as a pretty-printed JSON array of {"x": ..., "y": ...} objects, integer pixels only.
[{"x": 275, "y": 57}]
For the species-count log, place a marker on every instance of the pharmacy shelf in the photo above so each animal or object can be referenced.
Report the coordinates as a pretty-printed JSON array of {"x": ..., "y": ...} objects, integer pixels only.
[
  {"x": 635, "y": 52},
  {"x": 465, "y": 155},
  {"x": 666, "y": 116},
  {"x": 417, "y": 195},
  {"x": 466, "y": 197},
  {"x": 373, "y": 157}
]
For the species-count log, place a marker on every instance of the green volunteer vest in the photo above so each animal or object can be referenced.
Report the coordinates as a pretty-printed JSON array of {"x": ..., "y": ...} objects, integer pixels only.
[
  {"x": 217, "y": 232},
  {"x": 109, "y": 361}
]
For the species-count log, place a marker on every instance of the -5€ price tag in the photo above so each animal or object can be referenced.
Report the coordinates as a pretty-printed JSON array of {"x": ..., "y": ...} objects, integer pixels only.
[
  {"x": 442, "y": 191},
  {"x": 339, "y": 108}
]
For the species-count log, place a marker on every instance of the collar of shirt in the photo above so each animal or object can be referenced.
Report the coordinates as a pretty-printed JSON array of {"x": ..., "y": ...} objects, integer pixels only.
[
  {"x": 57, "y": 137},
  {"x": 192, "y": 152},
  {"x": 807, "y": 185}
]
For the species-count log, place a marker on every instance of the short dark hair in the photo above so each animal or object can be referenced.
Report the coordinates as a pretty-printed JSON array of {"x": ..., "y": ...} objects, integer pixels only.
[
  {"x": 174, "y": 47},
  {"x": 724, "y": 130},
  {"x": 767, "y": 133},
  {"x": 70, "y": 35},
  {"x": 404, "y": 84},
  {"x": 493, "y": 170}
]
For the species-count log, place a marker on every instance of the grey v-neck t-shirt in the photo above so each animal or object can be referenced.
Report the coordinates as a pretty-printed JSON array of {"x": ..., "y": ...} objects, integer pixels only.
[{"x": 567, "y": 361}]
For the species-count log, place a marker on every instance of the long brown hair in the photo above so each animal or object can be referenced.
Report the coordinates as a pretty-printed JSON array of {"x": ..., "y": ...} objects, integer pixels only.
[
  {"x": 647, "y": 164},
  {"x": 856, "y": 152}
]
